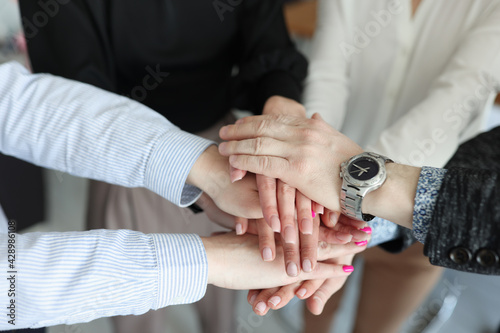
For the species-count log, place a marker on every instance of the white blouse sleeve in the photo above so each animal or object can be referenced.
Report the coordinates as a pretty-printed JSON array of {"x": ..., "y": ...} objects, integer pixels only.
[
  {"x": 430, "y": 133},
  {"x": 326, "y": 89}
]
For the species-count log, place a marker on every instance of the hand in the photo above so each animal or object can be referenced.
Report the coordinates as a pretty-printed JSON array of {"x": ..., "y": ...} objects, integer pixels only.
[
  {"x": 210, "y": 173},
  {"x": 216, "y": 215},
  {"x": 317, "y": 292},
  {"x": 300, "y": 248},
  {"x": 304, "y": 153},
  {"x": 234, "y": 263},
  {"x": 285, "y": 106},
  {"x": 274, "y": 105}
]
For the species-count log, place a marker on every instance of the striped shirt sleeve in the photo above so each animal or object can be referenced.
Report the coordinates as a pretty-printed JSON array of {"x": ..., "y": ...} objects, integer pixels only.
[{"x": 75, "y": 277}]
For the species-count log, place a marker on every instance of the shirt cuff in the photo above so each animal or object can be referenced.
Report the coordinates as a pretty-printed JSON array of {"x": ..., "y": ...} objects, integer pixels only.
[
  {"x": 428, "y": 187},
  {"x": 170, "y": 164},
  {"x": 183, "y": 269}
]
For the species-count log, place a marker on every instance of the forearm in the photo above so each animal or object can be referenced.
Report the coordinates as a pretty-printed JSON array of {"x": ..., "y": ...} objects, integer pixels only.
[
  {"x": 74, "y": 277},
  {"x": 87, "y": 132},
  {"x": 395, "y": 199}
]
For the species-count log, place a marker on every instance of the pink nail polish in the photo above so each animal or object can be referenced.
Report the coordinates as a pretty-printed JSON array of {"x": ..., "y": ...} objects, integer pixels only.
[
  {"x": 313, "y": 214},
  {"x": 363, "y": 243},
  {"x": 367, "y": 230},
  {"x": 348, "y": 269}
]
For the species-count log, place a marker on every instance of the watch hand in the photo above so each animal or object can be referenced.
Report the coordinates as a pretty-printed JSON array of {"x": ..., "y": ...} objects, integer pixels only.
[{"x": 361, "y": 170}]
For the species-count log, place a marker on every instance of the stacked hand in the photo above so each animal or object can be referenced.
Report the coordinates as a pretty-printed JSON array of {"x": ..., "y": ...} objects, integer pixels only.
[{"x": 277, "y": 172}]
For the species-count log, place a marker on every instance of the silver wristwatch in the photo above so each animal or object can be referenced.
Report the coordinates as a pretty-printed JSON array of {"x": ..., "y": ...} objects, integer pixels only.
[{"x": 360, "y": 175}]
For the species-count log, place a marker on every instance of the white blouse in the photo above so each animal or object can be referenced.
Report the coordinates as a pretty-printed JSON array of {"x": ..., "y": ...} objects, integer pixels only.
[{"x": 411, "y": 88}]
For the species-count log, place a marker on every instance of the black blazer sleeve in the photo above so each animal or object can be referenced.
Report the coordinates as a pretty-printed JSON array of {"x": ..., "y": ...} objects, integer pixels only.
[
  {"x": 74, "y": 43},
  {"x": 465, "y": 228},
  {"x": 270, "y": 64}
]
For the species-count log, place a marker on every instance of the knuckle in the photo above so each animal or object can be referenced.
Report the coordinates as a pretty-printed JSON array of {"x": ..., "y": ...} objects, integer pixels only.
[
  {"x": 261, "y": 126},
  {"x": 289, "y": 252},
  {"x": 257, "y": 145}
]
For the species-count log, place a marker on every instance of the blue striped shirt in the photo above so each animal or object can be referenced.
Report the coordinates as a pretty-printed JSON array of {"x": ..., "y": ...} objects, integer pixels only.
[{"x": 80, "y": 276}]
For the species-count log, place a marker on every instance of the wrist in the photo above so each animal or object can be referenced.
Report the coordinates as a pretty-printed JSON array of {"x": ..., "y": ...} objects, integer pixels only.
[
  {"x": 395, "y": 199},
  {"x": 210, "y": 171},
  {"x": 210, "y": 249}
]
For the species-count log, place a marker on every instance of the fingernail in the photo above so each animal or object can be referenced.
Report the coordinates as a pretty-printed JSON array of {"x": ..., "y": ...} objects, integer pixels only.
[
  {"x": 307, "y": 227},
  {"x": 289, "y": 235},
  {"x": 343, "y": 237},
  {"x": 223, "y": 131},
  {"x": 238, "y": 178},
  {"x": 321, "y": 210},
  {"x": 239, "y": 121},
  {"x": 363, "y": 243},
  {"x": 307, "y": 266},
  {"x": 239, "y": 229},
  {"x": 267, "y": 254},
  {"x": 318, "y": 300},
  {"x": 367, "y": 230},
  {"x": 275, "y": 223},
  {"x": 348, "y": 269},
  {"x": 260, "y": 307},
  {"x": 252, "y": 299},
  {"x": 302, "y": 292},
  {"x": 291, "y": 269},
  {"x": 275, "y": 300},
  {"x": 313, "y": 214},
  {"x": 334, "y": 217}
]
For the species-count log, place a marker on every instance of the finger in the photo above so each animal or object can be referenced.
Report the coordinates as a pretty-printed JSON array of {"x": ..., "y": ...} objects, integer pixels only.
[
  {"x": 252, "y": 227},
  {"x": 352, "y": 222},
  {"x": 275, "y": 126},
  {"x": 252, "y": 295},
  {"x": 270, "y": 166},
  {"x": 317, "y": 208},
  {"x": 329, "y": 270},
  {"x": 283, "y": 296},
  {"x": 330, "y": 218},
  {"x": 289, "y": 230},
  {"x": 308, "y": 288},
  {"x": 333, "y": 236},
  {"x": 241, "y": 225},
  {"x": 308, "y": 242},
  {"x": 267, "y": 244},
  {"x": 357, "y": 235},
  {"x": 328, "y": 251},
  {"x": 236, "y": 174},
  {"x": 261, "y": 146},
  {"x": 317, "y": 301},
  {"x": 268, "y": 201},
  {"x": 304, "y": 213},
  {"x": 260, "y": 305}
]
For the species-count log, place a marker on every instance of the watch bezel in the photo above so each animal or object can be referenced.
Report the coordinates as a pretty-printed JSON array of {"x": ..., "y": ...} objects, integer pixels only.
[{"x": 377, "y": 180}]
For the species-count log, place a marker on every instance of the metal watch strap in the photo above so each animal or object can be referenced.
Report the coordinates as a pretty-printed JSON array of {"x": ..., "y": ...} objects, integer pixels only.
[{"x": 351, "y": 196}]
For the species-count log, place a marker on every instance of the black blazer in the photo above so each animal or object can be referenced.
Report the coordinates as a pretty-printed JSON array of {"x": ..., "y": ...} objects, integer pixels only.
[{"x": 465, "y": 229}]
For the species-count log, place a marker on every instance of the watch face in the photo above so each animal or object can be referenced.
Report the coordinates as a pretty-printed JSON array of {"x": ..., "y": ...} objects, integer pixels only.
[{"x": 364, "y": 168}]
